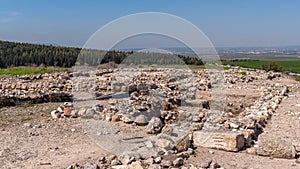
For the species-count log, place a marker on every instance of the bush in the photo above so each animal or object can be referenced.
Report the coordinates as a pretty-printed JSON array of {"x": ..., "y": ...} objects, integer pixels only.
[
  {"x": 272, "y": 66},
  {"x": 244, "y": 73}
]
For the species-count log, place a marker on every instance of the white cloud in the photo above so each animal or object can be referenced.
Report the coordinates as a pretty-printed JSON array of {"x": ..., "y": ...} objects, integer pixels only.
[{"x": 8, "y": 16}]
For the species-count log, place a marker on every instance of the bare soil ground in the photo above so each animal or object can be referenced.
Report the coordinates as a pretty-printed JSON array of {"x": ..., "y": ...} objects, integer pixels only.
[{"x": 30, "y": 138}]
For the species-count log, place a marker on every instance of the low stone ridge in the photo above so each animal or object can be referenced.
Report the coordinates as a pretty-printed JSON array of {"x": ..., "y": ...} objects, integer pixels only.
[
  {"x": 53, "y": 87},
  {"x": 130, "y": 162}
]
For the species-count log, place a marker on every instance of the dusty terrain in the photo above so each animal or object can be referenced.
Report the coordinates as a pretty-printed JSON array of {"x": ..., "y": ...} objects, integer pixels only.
[{"x": 31, "y": 138}]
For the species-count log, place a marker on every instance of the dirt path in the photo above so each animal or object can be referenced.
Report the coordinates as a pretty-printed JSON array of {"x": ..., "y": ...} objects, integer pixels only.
[
  {"x": 283, "y": 129},
  {"x": 241, "y": 160},
  {"x": 31, "y": 139}
]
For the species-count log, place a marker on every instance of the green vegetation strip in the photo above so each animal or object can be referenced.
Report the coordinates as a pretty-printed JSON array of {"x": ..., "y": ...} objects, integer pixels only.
[
  {"x": 25, "y": 71},
  {"x": 290, "y": 65}
]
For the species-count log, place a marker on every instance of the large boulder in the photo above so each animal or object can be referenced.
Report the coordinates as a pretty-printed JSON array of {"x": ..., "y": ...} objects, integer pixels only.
[{"x": 224, "y": 140}]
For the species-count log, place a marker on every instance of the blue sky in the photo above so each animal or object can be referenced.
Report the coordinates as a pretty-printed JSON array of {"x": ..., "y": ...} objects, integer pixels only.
[{"x": 225, "y": 22}]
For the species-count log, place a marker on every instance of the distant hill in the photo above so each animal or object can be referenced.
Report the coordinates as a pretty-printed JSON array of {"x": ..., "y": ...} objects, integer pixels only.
[{"x": 24, "y": 54}]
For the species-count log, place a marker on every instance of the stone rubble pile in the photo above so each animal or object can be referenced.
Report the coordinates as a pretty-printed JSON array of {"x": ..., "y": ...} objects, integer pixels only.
[
  {"x": 35, "y": 88},
  {"x": 234, "y": 76},
  {"x": 253, "y": 119},
  {"x": 160, "y": 99},
  {"x": 64, "y": 110},
  {"x": 154, "y": 98},
  {"x": 131, "y": 162}
]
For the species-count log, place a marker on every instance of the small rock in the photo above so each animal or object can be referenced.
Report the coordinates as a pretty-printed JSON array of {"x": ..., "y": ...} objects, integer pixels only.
[
  {"x": 90, "y": 166},
  {"x": 55, "y": 114},
  {"x": 89, "y": 113},
  {"x": 251, "y": 150},
  {"x": 128, "y": 119},
  {"x": 234, "y": 126},
  {"x": 149, "y": 161},
  {"x": 141, "y": 120},
  {"x": 68, "y": 104},
  {"x": 185, "y": 143},
  {"x": 184, "y": 154},
  {"x": 27, "y": 125},
  {"x": 191, "y": 166},
  {"x": 116, "y": 118},
  {"x": 178, "y": 162},
  {"x": 81, "y": 111},
  {"x": 214, "y": 165},
  {"x": 126, "y": 159},
  {"x": 157, "y": 160},
  {"x": 166, "y": 163},
  {"x": 102, "y": 160},
  {"x": 149, "y": 144},
  {"x": 196, "y": 119},
  {"x": 97, "y": 107},
  {"x": 115, "y": 162},
  {"x": 190, "y": 151},
  {"x": 74, "y": 113},
  {"x": 70, "y": 167},
  {"x": 108, "y": 116},
  {"x": 60, "y": 109},
  {"x": 119, "y": 167},
  {"x": 136, "y": 165},
  {"x": 67, "y": 111},
  {"x": 155, "y": 125}
]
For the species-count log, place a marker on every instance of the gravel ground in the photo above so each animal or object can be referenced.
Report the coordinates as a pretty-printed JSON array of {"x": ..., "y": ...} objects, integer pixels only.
[{"x": 30, "y": 138}]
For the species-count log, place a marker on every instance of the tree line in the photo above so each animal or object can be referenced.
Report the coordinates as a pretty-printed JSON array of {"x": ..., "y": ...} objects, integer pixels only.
[{"x": 14, "y": 54}]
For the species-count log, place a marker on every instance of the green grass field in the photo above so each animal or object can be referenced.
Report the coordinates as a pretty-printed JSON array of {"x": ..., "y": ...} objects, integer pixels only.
[
  {"x": 290, "y": 65},
  {"x": 29, "y": 70}
]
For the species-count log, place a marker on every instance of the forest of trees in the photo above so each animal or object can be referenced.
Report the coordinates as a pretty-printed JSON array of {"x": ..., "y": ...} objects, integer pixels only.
[{"x": 24, "y": 54}]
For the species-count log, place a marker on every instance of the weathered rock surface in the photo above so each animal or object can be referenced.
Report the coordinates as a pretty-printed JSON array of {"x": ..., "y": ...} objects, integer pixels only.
[
  {"x": 155, "y": 125},
  {"x": 278, "y": 148},
  {"x": 229, "y": 141},
  {"x": 141, "y": 120}
]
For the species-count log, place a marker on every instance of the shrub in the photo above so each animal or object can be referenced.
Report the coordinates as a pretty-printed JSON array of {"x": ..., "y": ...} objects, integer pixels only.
[
  {"x": 244, "y": 73},
  {"x": 272, "y": 66}
]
